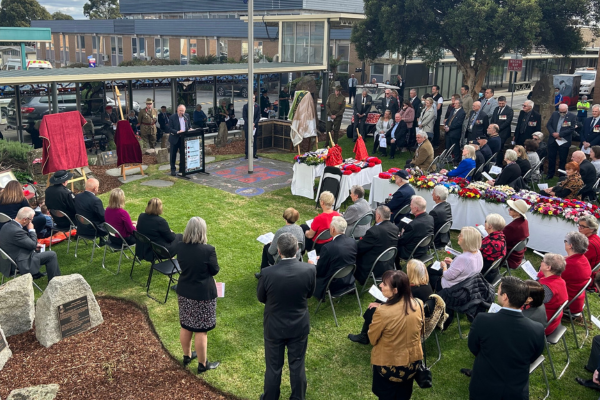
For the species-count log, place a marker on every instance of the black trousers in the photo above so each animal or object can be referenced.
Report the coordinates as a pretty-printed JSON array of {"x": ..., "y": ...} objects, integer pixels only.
[
  {"x": 274, "y": 359},
  {"x": 173, "y": 156},
  {"x": 351, "y": 94},
  {"x": 246, "y": 144},
  {"x": 385, "y": 389},
  {"x": 436, "y": 130},
  {"x": 594, "y": 359},
  {"x": 453, "y": 140},
  {"x": 563, "y": 153},
  {"x": 361, "y": 127},
  {"x": 368, "y": 317},
  {"x": 130, "y": 240},
  {"x": 503, "y": 138},
  {"x": 308, "y": 243},
  {"x": 267, "y": 259}
]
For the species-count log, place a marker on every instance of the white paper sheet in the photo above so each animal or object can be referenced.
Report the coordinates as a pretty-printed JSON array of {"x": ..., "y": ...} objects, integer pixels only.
[
  {"x": 450, "y": 250},
  {"x": 596, "y": 321},
  {"x": 542, "y": 186},
  {"x": 436, "y": 266},
  {"x": 487, "y": 176},
  {"x": 382, "y": 142},
  {"x": 42, "y": 248},
  {"x": 220, "y": 289},
  {"x": 266, "y": 238},
  {"x": 528, "y": 268},
  {"x": 309, "y": 222},
  {"x": 495, "y": 170},
  {"x": 406, "y": 220},
  {"x": 482, "y": 230},
  {"x": 560, "y": 141},
  {"x": 494, "y": 308},
  {"x": 375, "y": 292},
  {"x": 586, "y": 151},
  {"x": 312, "y": 256}
]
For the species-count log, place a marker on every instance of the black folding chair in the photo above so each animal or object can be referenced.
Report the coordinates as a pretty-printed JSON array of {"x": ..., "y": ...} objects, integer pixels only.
[
  {"x": 366, "y": 219},
  {"x": 324, "y": 235},
  {"x": 495, "y": 267},
  {"x": 386, "y": 255},
  {"x": 164, "y": 264},
  {"x": 330, "y": 181},
  {"x": 471, "y": 173},
  {"x": 518, "y": 247},
  {"x": 555, "y": 337},
  {"x": 534, "y": 365},
  {"x": 84, "y": 221},
  {"x": 4, "y": 218},
  {"x": 400, "y": 214},
  {"x": 425, "y": 242},
  {"x": 570, "y": 314},
  {"x": 434, "y": 162},
  {"x": 60, "y": 214},
  {"x": 443, "y": 230},
  {"x": 14, "y": 269},
  {"x": 340, "y": 273},
  {"x": 113, "y": 233},
  {"x": 142, "y": 243}
]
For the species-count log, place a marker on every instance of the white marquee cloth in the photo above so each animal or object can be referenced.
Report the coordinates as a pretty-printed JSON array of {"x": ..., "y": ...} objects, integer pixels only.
[{"x": 546, "y": 234}]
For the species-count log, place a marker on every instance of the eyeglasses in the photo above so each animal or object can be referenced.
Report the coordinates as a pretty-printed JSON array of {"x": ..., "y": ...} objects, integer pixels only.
[
  {"x": 565, "y": 241},
  {"x": 582, "y": 226}
]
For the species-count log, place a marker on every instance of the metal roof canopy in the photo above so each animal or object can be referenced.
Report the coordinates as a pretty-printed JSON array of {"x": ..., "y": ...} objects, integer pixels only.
[
  {"x": 336, "y": 21},
  {"x": 23, "y": 77},
  {"x": 13, "y": 34}
]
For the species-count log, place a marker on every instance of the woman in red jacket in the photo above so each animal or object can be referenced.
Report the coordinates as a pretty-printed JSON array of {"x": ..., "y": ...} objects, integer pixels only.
[
  {"x": 555, "y": 288},
  {"x": 578, "y": 270},
  {"x": 516, "y": 231},
  {"x": 588, "y": 225}
]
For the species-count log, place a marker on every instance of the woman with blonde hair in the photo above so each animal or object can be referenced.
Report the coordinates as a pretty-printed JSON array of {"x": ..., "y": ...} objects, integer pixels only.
[
  {"x": 386, "y": 121},
  {"x": 428, "y": 117},
  {"x": 116, "y": 216},
  {"x": 466, "y": 165},
  {"x": 419, "y": 280},
  {"x": 320, "y": 223},
  {"x": 522, "y": 159},
  {"x": 196, "y": 293},
  {"x": 156, "y": 228}
]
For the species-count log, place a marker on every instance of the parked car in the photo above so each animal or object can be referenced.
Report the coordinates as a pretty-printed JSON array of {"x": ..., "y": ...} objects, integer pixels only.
[
  {"x": 377, "y": 92},
  {"x": 588, "y": 80}
]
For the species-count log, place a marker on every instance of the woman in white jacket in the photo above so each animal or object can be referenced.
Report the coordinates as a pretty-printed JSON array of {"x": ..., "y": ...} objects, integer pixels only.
[
  {"x": 428, "y": 117},
  {"x": 383, "y": 125}
]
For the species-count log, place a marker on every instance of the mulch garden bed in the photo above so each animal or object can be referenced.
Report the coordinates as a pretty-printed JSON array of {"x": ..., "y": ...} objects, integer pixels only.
[{"x": 120, "y": 359}]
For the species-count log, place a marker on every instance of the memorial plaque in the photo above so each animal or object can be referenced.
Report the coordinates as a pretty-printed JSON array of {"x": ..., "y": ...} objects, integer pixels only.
[
  {"x": 74, "y": 317},
  {"x": 2, "y": 343},
  {"x": 108, "y": 157}
]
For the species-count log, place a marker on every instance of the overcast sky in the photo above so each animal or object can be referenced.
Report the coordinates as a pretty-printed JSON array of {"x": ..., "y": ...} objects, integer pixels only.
[{"x": 72, "y": 7}]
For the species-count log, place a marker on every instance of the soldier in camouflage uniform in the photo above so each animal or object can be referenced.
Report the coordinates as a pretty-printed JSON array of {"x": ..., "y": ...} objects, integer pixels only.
[
  {"x": 335, "y": 106},
  {"x": 147, "y": 123}
]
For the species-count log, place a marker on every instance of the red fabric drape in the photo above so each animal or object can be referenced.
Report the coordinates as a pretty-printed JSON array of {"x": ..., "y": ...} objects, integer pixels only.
[
  {"x": 128, "y": 147},
  {"x": 63, "y": 146},
  {"x": 334, "y": 156},
  {"x": 360, "y": 150}
]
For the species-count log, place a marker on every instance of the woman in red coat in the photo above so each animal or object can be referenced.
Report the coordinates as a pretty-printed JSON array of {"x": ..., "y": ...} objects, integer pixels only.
[
  {"x": 555, "y": 288},
  {"x": 578, "y": 270},
  {"x": 588, "y": 225},
  {"x": 516, "y": 231}
]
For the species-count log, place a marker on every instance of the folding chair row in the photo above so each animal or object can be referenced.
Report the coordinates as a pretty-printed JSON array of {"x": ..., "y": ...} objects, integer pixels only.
[
  {"x": 339, "y": 274},
  {"x": 13, "y": 270}
]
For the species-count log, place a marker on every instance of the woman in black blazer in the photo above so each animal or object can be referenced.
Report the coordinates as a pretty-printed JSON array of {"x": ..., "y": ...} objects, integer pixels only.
[
  {"x": 156, "y": 228},
  {"x": 196, "y": 292},
  {"x": 510, "y": 173}
]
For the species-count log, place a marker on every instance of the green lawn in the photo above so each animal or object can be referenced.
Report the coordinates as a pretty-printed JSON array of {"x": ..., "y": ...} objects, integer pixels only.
[{"x": 336, "y": 368}]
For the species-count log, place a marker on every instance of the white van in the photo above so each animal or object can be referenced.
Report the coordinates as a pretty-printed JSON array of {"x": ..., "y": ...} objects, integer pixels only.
[
  {"x": 588, "y": 80},
  {"x": 39, "y": 64},
  {"x": 12, "y": 64}
]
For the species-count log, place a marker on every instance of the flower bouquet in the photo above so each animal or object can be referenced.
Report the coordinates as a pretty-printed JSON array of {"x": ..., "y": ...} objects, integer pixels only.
[
  {"x": 462, "y": 182},
  {"x": 498, "y": 194},
  {"x": 425, "y": 182},
  {"x": 312, "y": 157},
  {"x": 469, "y": 193},
  {"x": 528, "y": 196}
]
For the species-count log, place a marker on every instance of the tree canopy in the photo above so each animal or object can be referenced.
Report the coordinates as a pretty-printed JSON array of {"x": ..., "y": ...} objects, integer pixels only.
[
  {"x": 477, "y": 32},
  {"x": 61, "y": 16},
  {"x": 102, "y": 9},
  {"x": 20, "y": 13}
]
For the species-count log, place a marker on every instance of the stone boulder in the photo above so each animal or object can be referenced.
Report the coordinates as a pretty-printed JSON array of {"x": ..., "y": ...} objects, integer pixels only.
[
  {"x": 162, "y": 156},
  {"x": 17, "y": 309},
  {"x": 41, "y": 392},
  {"x": 543, "y": 97},
  {"x": 61, "y": 290},
  {"x": 5, "y": 353}
]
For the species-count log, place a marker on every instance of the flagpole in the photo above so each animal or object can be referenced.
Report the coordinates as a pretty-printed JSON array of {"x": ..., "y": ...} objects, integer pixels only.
[{"x": 250, "y": 122}]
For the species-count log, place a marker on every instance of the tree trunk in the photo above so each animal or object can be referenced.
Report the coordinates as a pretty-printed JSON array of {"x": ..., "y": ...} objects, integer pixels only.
[{"x": 472, "y": 76}]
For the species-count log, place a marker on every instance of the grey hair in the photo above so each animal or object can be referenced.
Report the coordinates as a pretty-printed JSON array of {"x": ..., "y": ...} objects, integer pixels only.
[
  {"x": 496, "y": 221},
  {"x": 538, "y": 134},
  {"x": 384, "y": 212},
  {"x": 422, "y": 133},
  {"x": 441, "y": 191},
  {"x": 25, "y": 212},
  {"x": 339, "y": 224},
  {"x": 195, "y": 231},
  {"x": 358, "y": 190},
  {"x": 419, "y": 202},
  {"x": 529, "y": 103},
  {"x": 596, "y": 106},
  {"x": 578, "y": 241},
  {"x": 287, "y": 244},
  {"x": 591, "y": 221},
  {"x": 556, "y": 262},
  {"x": 510, "y": 155},
  {"x": 459, "y": 100}
]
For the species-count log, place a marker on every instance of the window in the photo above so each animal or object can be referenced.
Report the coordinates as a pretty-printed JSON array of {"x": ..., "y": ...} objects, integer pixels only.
[
  {"x": 134, "y": 51},
  {"x": 343, "y": 52},
  {"x": 81, "y": 42},
  {"x": 184, "y": 50},
  {"x": 120, "y": 45},
  {"x": 95, "y": 40},
  {"x": 161, "y": 48},
  {"x": 303, "y": 42},
  {"x": 113, "y": 45}
]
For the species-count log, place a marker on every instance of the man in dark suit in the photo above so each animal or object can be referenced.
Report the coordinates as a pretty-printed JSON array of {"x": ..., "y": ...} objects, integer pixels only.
[
  {"x": 401, "y": 84},
  {"x": 163, "y": 122},
  {"x": 415, "y": 231},
  {"x": 58, "y": 197},
  {"x": 362, "y": 106},
  {"x": 178, "y": 124},
  {"x": 396, "y": 135},
  {"x": 593, "y": 366},
  {"x": 21, "y": 246},
  {"x": 339, "y": 253},
  {"x": 477, "y": 122},
  {"x": 502, "y": 116},
  {"x": 256, "y": 118},
  {"x": 501, "y": 366},
  {"x": 389, "y": 102},
  {"x": 453, "y": 129},
  {"x": 378, "y": 238},
  {"x": 561, "y": 125},
  {"x": 90, "y": 207},
  {"x": 284, "y": 289},
  {"x": 529, "y": 121},
  {"x": 494, "y": 141},
  {"x": 441, "y": 213},
  {"x": 416, "y": 103},
  {"x": 403, "y": 195},
  {"x": 590, "y": 135},
  {"x": 587, "y": 172}
]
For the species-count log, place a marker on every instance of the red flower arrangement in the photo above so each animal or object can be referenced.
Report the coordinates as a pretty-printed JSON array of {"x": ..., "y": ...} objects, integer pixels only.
[
  {"x": 462, "y": 182},
  {"x": 385, "y": 175},
  {"x": 469, "y": 193},
  {"x": 373, "y": 160}
]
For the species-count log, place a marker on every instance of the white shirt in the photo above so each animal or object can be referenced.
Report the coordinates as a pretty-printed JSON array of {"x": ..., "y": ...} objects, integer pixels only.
[{"x": 182, "y": 123}]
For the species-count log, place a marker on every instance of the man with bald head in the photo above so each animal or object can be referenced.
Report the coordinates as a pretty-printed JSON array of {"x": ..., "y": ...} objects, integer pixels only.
[
  {"x": 412, "y": 233},
  {"x": 477, "y": 122},
  {"x": 90, "y": 207},
  {"x": 587, "y": 172},
  {"x": 178, "y": 124},
  {"x": 20, "y": 245},
  {"x": 561, "y": 126}
]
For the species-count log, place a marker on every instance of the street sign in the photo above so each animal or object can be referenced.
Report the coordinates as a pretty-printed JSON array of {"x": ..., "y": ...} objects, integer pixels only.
[{"x": 515, "y": 65}]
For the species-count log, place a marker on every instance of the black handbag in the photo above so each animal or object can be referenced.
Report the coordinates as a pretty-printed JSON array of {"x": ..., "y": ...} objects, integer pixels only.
[{"x": 423, "y": 377}]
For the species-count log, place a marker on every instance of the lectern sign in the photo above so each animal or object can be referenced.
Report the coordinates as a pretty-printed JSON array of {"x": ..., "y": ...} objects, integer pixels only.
[
  {"x": 515, "y": 65},
  {"x": 192, "y": 152},
  {"x": 74, "y": 317}
]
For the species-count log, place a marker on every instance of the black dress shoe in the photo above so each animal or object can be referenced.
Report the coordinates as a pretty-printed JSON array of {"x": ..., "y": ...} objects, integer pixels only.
[
  {"x": 391, "y": 157},
  {"x": 187, "y": 360},
  {"x": 256, "y": 157},
  {"x": 173, "y": 173},
  {"x": 466, "y": 372},
  {"x": 39, "y": 275},
  {"x": 588, "y": 383},
  {"x": 209, "y": 365},
  {"x": 360, "y": 338}
]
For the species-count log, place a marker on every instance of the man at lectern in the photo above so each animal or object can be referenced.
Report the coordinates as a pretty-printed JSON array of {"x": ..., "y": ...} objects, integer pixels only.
[{"x": 178, "y": 123}]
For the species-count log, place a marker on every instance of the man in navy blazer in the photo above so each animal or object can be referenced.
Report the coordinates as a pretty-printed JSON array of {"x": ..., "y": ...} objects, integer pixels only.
[
  {"x": 256, "y": 118},
  {"x": 590, "y": 135},
  {"x": 504, "y": 344},
  {"x": 339, "y": 253},
  {"x": 178, "y": 124},
  {"x": 401, "y": 198},
  {"x": 90, "y": 207},
  {"x": 415, "y": 231},
  {"x": 453, "y": 129},
  {"x": 561, "y": 125},
  {"x": 285, "y": 288}
]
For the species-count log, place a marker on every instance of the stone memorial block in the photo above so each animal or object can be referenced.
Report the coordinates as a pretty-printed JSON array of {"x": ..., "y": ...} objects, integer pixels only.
[
  {"x": 107, "y": 158},
  {"x": 543, "y": 97},
  {"x": 41, "y": 392},
  {"x": 162, "y": 156},
  {"x": 17, "y": 309},
  {"x": 67, "y": 307},
  {"x": 5, "y": 352}
]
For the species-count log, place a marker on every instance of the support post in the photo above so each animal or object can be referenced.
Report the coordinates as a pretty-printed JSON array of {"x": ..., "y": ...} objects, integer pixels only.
[
  {"x": 130, "y": 95},
  {"x": 250, "y": 122},
  {"x": 23, "y": 57},
  {"x": 215, "y": 105},
  {"x": 77, "y": 96},
  {"x": 325, "y": 74},
  {"x": 54, "y": 98},
  {"x": 19, "y": 116},
  {"x": 174, "y": 95}
]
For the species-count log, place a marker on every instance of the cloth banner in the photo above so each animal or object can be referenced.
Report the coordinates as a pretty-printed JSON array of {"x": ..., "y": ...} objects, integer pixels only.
[
  {"x": 63, "y": 145},
  {"x": 298, "y": 96},
  {"x": 360, "y": 150},
  {"x": 304, "y": 124},
  {"x": 128, "y": 147}
]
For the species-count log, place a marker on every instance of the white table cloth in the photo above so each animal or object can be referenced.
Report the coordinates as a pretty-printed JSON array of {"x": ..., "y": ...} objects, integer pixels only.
[{"x": 546, "y": 234}]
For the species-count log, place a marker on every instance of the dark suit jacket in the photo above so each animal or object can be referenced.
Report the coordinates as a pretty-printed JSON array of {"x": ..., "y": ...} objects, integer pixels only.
[
  {"x": 393, "y": 105},
  {"x": 285, "y": 288},
  {"x": 198, "y": 264},
  {"x": 508, "y": 174},
  {"x": 400, "y": 134},
  {"x": 20, "y": 246},
  {"x": 256, "y": 116},
  {"x": 58, "y": 197},
  {"x": 505, "y": 123},
  {"x": 479, "y": 161},
  {"x": 174, "y": 127},
  {"x": 565, "y": 132},
  {"x": 441, "y": 214},
  {"x": 89, "y": 206},
  {"x": 416, "y": 103},
  {"x": 358, "y": 107},
  {"x": 400, "y": 199},
  {"x": 588, "y": 134},
  {"x": 414, "y": 232},
  {"x": 336, "y": 254},
  {"x": 532, "y": 124},
  {"x": 589, "y": 177},
  {"x": 486, "y": 151},
  {"x": 501, "y": 367},
  {"x": 156, "y": 228},
  {"x": 163, "y": 121},
  {"x": 377, "y": 239},
  {"x": 455, "y": 123},
  {"x": 479, "y": 127}
]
